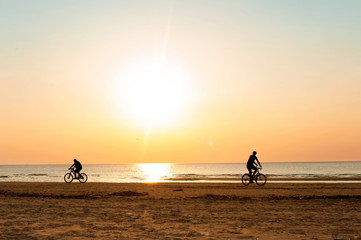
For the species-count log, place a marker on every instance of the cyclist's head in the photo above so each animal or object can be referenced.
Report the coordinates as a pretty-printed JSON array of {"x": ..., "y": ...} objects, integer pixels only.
[
  {"x": 74, "y": 160},
  {"x": 254, "y": 152}
]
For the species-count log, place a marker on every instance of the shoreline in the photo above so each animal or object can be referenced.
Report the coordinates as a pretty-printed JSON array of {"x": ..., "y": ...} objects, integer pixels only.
[
  {"x": 269, "y": 179},
  {"x": 4, "y": 179}
]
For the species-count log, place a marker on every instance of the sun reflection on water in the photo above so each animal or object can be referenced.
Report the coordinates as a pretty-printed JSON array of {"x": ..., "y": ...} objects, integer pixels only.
[{"x": 155, "y": 172}]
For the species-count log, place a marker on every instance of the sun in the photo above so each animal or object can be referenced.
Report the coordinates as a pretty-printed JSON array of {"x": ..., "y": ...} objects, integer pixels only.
[{"x": 156, "y": 93}]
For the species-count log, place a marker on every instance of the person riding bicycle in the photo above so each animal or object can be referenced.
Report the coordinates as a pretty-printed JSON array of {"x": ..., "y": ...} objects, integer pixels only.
[
  {"x": 77, "y": 165},
  {"x": 252, "y": 164}
]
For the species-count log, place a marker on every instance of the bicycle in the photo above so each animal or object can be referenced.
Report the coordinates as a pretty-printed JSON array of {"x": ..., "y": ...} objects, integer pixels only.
[
  {"x": 70, "y": 176},
  {"x": 260, "y": 178}
]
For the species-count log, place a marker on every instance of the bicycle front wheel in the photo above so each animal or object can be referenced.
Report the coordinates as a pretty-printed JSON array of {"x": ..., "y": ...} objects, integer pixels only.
[
  {"x": 246, "y": 179},
  {"x": 83, "y": 178},
  {"x": 68, "y": 178},
  {"x": 261, "y": 179}
]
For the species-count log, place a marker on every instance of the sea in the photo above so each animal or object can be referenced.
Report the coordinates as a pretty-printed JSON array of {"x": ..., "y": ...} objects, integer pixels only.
[{"x": 198, "y": 172}]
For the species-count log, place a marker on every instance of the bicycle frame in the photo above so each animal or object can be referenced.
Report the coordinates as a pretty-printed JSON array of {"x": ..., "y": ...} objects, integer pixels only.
[
  {"x": 260, "y": 178},
  {"x": 72, "y": 172},
  {"x": 256, "y": 173},
  {"x": 68, "y": 177}
]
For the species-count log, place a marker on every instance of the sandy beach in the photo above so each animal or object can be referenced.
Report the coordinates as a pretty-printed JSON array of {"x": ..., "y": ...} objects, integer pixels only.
[{"x": 180, "y": 211}]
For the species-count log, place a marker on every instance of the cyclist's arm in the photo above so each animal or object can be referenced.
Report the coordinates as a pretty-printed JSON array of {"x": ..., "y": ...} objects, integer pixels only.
[
  {"x": 71, "y": 166},
  {"x": 259, "y": 164}
]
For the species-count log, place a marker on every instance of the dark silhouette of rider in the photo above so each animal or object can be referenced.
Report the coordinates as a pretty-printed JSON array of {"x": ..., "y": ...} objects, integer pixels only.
[
  {"x": 251, "y": 164},
  {"x": 77, "y": 165}
]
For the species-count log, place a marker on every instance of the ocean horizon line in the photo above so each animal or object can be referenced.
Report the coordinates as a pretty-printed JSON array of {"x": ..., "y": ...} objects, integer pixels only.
[{"x": 184, "y": 163}]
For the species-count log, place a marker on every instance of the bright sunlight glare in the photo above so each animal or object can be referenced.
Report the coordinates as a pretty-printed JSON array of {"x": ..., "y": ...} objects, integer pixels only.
[
  {"x": 155, "y": 172},
  {"x": 156, "y": 93}
]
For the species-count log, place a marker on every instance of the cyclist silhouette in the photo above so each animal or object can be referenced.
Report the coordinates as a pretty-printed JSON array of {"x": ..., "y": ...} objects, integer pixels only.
[
  {"x": 251, "y": 164},
  {"x": 77, "y": 169}
]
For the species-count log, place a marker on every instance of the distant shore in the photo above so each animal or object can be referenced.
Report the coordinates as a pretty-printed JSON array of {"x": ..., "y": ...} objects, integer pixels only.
[{"x": 180, "y": 210}]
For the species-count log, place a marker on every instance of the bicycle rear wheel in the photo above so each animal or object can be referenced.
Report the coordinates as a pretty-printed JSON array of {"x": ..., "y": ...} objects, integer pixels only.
[
  {"x": 83, "y": 178},
  {"x": 68, "y": 177},
  {"x": 261, "y": 179},
  {"x": 246, "y": 179}
]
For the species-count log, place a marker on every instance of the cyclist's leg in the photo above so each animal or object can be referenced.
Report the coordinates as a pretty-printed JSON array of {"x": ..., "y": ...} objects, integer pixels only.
[
  {"x": 80, "y": 176},
  {"x": 254, "y": 172},
  {"x": 250, "y": 173},
  {"x": 76, "y": 173}
]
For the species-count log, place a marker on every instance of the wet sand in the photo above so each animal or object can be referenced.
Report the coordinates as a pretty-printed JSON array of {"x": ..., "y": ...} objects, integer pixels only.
[{"x": 180, "y": 211}]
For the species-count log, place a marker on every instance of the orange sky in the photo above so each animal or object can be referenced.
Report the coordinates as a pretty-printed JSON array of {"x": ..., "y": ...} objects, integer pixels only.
[{"x": 282, "y": 78}]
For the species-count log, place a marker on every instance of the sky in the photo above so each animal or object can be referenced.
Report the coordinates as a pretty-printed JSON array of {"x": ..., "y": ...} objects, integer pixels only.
[{"x": 191, "y": 81}]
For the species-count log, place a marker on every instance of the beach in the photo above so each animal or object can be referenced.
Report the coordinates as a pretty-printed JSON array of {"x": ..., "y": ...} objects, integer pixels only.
[{"x": 186, "y": 210}]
